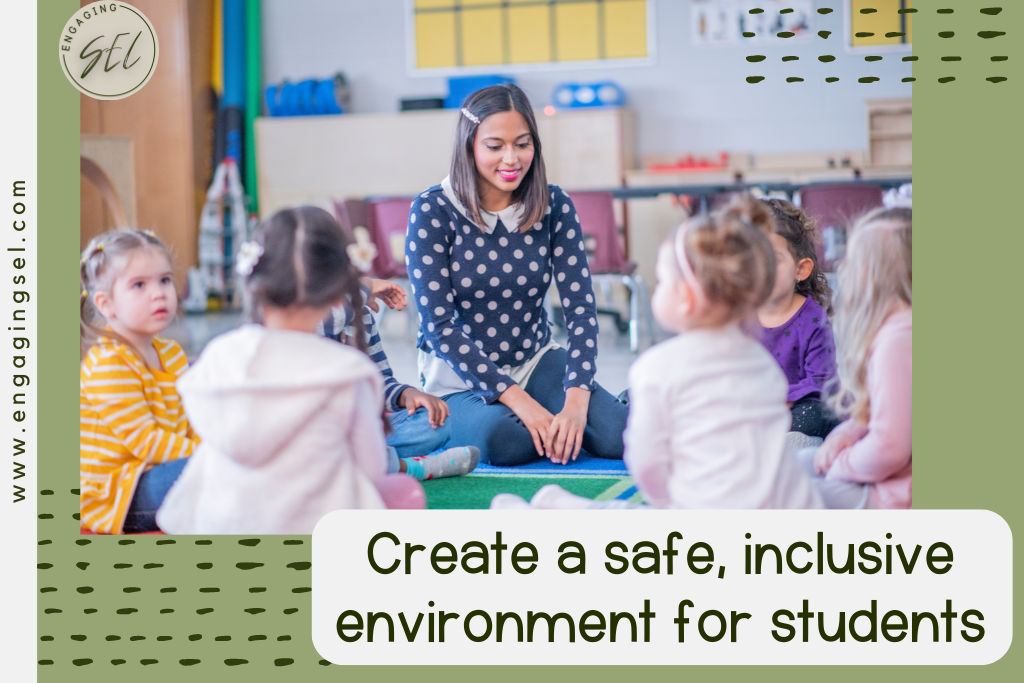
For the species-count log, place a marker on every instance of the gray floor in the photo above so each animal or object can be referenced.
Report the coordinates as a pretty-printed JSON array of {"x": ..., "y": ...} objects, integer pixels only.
[{"x": 193, "y": 331}]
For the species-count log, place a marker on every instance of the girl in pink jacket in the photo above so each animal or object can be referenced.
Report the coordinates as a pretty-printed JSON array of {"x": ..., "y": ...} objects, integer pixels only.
[{"x": 866, "y": 462}]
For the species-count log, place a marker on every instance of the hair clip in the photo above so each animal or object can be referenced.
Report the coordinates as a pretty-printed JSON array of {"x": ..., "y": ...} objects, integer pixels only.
[
  {"x": 469, "y": 115},
  {"x": 99, "y": 247},
  {"x": 83, "y": 260},
  {"x": 85, "y": 293},
  {"x": 150, "y": 233},
  {"x": 248, "y": 256}
]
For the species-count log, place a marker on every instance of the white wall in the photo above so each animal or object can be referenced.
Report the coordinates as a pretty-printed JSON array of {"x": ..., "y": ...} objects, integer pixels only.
[{"x": 691, "y": 99}]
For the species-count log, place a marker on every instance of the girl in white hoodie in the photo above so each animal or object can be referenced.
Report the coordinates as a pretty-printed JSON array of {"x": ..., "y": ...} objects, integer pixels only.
[{"x": 290, "y": 422}]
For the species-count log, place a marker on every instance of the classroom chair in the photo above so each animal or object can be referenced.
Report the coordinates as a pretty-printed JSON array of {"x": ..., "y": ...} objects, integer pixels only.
[
  {"x": 608, "y": 260},
  {"x": 837, "y": 205},
  {"x": 385, "y": 226},
  {"x": 350, "y": 213},
  {"x": 387, "y": 219}
]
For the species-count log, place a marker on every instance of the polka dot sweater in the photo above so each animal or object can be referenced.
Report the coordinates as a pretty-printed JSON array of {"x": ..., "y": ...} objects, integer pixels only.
[{"x": 480, "y": 296}]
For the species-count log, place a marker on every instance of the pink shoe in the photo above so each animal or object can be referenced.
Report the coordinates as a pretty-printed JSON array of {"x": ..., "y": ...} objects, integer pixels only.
[{"x": 402, "y": 492}]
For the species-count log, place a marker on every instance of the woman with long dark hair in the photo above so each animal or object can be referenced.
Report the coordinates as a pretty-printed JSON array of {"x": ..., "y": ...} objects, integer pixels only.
[{"x": 481, "y": 250}]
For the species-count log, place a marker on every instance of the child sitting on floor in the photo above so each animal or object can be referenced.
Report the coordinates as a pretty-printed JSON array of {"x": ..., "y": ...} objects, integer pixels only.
[
  {"x": 708, "y": 419},
  {"x": 866, "y": 462},
  {"x": 794, "y": 320},
  {"x": 290, "y": 421},
  {"x": 135, "y": 438},
  {"x": 417, "y": 420}
]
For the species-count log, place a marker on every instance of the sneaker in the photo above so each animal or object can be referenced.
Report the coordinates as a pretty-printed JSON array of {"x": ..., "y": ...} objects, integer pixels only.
[
  {"x": 509, "y": 501},
  {"x": 554, "y": 497}
]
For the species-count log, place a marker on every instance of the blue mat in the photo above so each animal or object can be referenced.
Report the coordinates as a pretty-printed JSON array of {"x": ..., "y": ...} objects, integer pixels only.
[{"x": 584, "y": 465}]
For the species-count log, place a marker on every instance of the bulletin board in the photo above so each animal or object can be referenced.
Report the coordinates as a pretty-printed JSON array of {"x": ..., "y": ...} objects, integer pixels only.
[
  {"x": 879, "y": 23},
  {"x": 481, "y": 36}
]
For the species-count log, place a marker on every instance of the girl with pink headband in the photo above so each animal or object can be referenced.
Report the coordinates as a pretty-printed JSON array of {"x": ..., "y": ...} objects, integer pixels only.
[{"x": 708, "y": 419}]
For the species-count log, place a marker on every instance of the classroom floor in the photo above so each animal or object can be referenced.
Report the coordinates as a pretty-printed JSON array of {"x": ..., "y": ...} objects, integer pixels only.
[
  {"x": 590, "y": 477},
  {"x": 194, "y": 331}
]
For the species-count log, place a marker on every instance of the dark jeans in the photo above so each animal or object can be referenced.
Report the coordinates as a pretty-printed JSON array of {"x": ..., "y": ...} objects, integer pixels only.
[
  {"x": 150, "y": 492},
  {"x": 813, "y": 418},
  {"x": 505, "y": 441}
]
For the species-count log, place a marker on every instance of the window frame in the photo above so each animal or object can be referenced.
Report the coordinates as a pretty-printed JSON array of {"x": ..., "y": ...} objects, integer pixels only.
[{"x": 413, "y": 71}]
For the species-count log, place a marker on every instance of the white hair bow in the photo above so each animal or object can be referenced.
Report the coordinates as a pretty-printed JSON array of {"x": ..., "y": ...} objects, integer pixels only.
[{"x": 248, "y": 256}]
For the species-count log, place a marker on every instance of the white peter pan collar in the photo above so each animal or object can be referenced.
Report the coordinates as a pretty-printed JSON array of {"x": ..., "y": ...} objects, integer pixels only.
[{"x": 510, "y": 216}]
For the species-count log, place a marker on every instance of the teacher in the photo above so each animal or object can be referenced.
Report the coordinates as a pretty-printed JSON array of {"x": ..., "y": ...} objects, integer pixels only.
[{"x": 481, "y": 250}]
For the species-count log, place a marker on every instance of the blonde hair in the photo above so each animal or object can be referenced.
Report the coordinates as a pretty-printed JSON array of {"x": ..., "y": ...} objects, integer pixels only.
[
  {"x": 875, "y": 278},
  {"x": 731, "y": 257},
  {"x": 103, "y": 260}
]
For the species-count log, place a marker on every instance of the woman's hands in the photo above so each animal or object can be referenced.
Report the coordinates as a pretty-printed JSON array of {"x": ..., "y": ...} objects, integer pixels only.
[
  {"x": 391, "y": 294},
  {"x": 413, "y": 399},
  {"x": 535, "y": 416},
  {"x": 565, "y": 433},
  {"x": 557, "y": 437}
]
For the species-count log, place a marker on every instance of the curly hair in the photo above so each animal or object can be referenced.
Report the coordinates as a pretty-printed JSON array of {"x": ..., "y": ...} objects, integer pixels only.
[{"x": 800, "y": 231}]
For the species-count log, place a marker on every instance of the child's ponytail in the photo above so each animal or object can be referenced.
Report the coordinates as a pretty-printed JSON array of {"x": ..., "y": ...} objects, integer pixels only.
[{"x": 304, "y": 261}]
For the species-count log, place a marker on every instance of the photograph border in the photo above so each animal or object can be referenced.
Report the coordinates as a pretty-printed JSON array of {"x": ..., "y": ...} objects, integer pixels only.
[{"x": 967, "y": 142}]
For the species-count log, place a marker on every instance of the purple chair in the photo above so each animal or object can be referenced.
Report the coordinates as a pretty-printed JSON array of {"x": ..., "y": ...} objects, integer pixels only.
[
  {"x": 387, "y": 220},
  {"x": 350, "y": 213},
  {"x": 838, "y": 206},
  {"x": 607, "y": 259}
]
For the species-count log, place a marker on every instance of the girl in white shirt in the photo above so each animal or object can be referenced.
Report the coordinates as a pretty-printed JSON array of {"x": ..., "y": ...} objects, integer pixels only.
[{"x": 708, "y": 418}]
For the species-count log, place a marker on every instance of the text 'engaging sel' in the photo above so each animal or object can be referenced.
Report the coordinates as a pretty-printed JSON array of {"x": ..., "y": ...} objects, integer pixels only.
[{"x": 662, "y": 587}]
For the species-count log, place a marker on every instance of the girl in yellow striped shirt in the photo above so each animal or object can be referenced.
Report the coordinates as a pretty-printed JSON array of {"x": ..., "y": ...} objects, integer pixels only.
[{"x": 135, "y": 437}]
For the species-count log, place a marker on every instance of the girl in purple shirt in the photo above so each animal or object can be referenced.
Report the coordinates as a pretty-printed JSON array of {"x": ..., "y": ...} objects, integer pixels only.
[{"x": 794, "y": 320}]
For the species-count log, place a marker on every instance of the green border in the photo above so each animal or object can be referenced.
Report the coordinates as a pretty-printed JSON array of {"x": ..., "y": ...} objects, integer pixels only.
[{"x": 968, "y": 144}]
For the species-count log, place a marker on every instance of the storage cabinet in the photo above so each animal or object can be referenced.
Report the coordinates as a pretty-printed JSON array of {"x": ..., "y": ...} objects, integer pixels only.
[{"x": 889, "y": 132}]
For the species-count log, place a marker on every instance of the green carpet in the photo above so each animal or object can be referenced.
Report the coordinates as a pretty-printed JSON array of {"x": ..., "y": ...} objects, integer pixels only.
[{"x": 475, "y": 491}]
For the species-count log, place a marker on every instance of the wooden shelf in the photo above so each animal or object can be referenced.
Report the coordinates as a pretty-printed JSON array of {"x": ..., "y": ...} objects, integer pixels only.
[{"x": 890, "y": 132}]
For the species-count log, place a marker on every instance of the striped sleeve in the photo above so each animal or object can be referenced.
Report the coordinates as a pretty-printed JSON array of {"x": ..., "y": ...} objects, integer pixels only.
[
  {"x": 116, "y": 390},
  {"x": 392, "y": 387},
  {"x": 375, "y": 349}
]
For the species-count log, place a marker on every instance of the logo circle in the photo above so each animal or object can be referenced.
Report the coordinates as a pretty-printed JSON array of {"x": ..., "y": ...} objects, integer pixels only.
[{"x": 108, "y": 50}]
